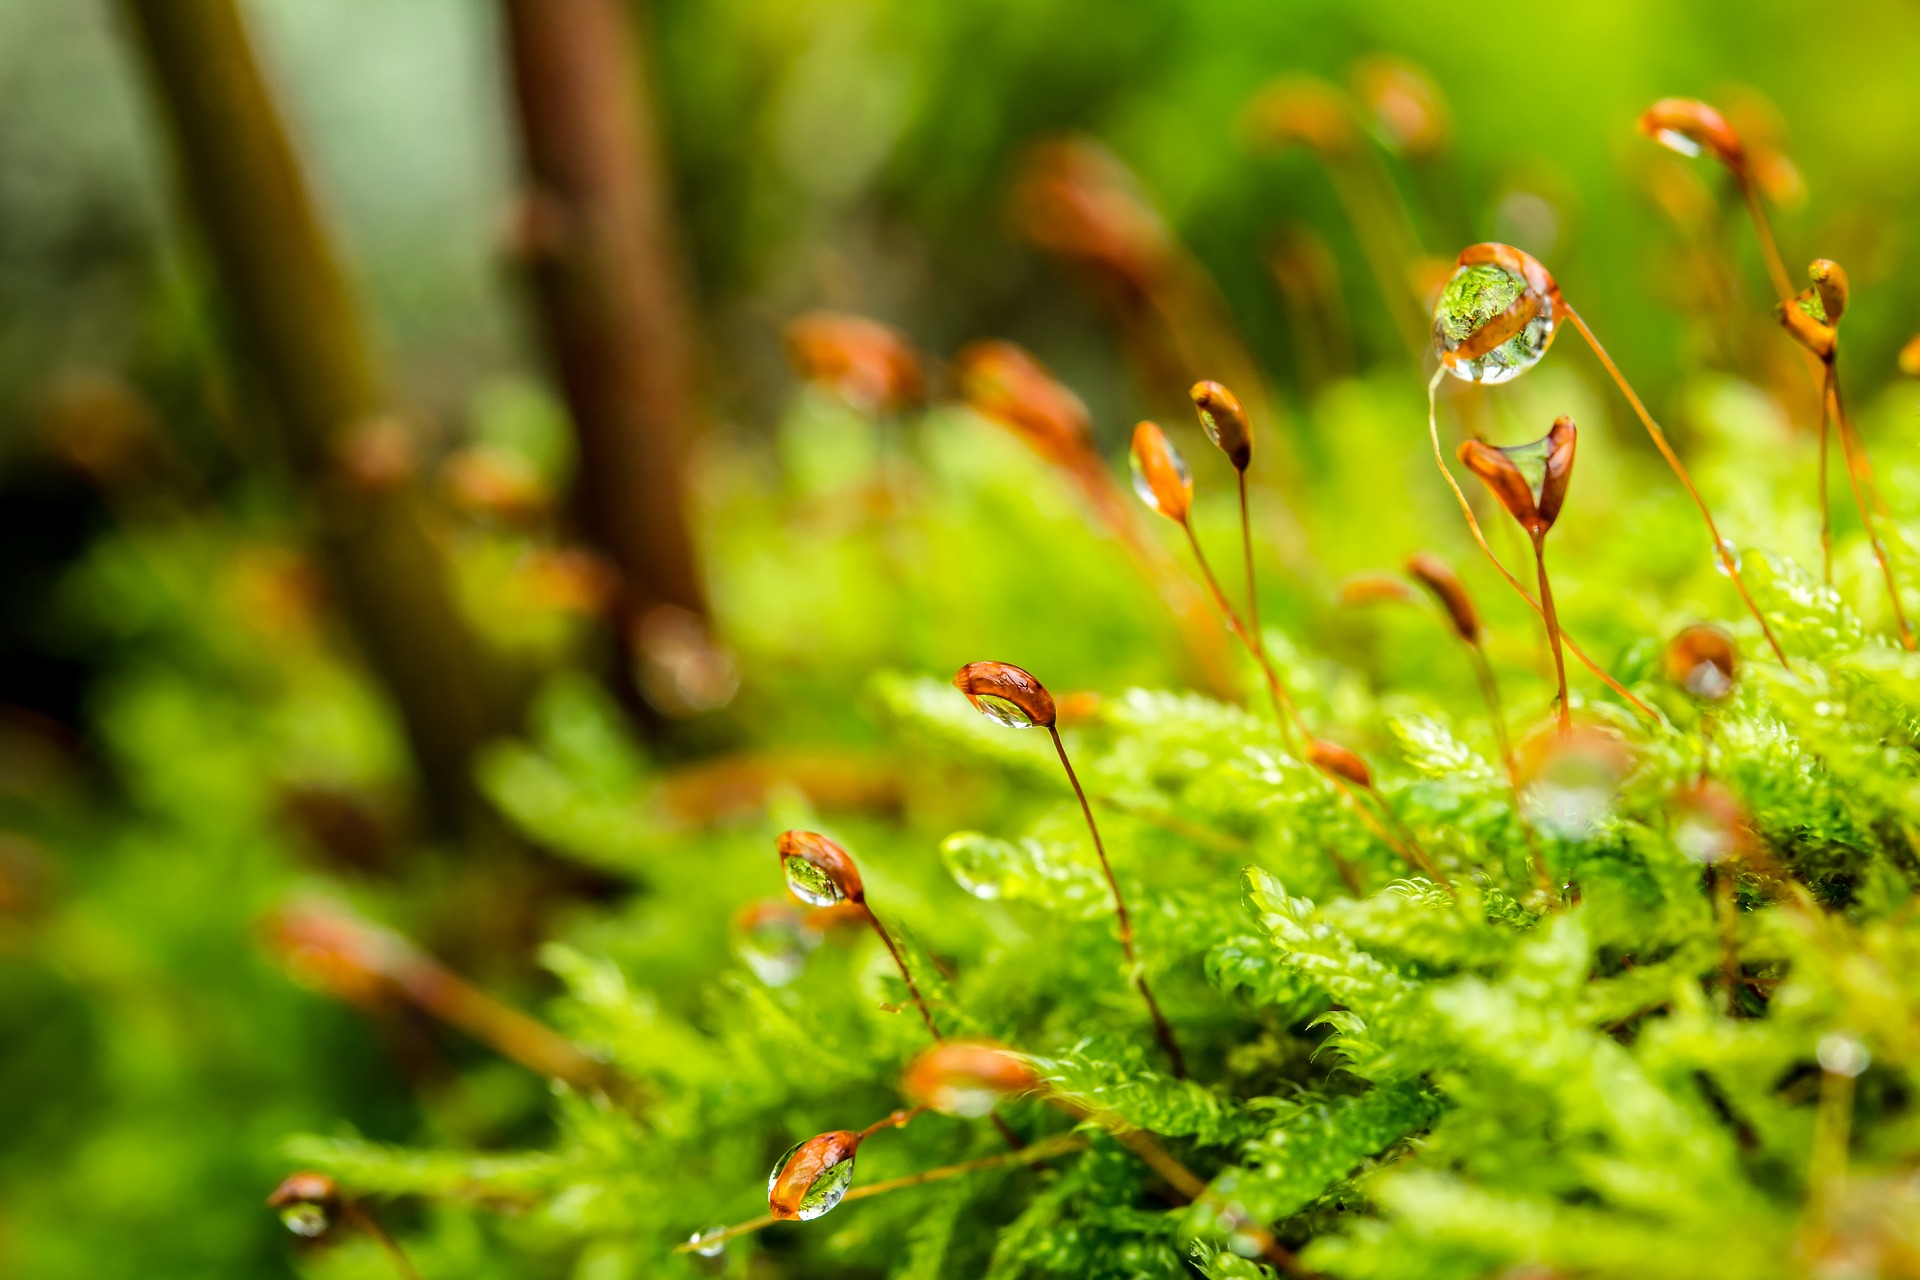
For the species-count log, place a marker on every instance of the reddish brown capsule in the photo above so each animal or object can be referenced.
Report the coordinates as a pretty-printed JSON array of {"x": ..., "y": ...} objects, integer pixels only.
[
  {"x": 1433, "y": 573},
  {"x": 1690, "y": 127},
  {"x": 871, "y": 364},
  {"x": 309, "y": 1203},
  {"x": 1910, "y": 357},
  {"x": 1002, "y": 381},
  {"x": 1160, "y": 474},
  {"x": 1374, "y": 588},
  {"x": 1530, "y": 480},
  {"x": 1331, "y": 757},
  {"x": 967, "y": 1078},
  {"x": 1006, "y": 695},
  {"x": 1225, "y": 422},
  {"x": 1409, "y": 114},
  {"x": 1703, "y": 661},
  {"x": 1074, "y": 198},
  {"x": 1805, "y": 319},
  {"x": 813, "y": 1176},
  {"x": 818, "y": 871}
]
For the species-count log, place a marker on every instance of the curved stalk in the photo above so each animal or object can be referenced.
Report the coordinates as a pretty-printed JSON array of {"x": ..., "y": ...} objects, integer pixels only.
[
  {"x": 1855, "y": 455},
  {"x": 1552, "y": 617}
]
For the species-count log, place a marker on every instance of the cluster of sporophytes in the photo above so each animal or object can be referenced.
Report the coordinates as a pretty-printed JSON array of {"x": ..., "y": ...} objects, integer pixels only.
[{"x": 1629, "y": 987}]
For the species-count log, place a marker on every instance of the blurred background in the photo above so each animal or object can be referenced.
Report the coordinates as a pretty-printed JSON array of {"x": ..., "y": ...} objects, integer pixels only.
[{"x": 425, "y": 398}]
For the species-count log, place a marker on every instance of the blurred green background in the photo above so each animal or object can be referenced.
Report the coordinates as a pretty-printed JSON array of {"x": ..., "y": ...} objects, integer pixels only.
[{"x": 185, "y": 742}]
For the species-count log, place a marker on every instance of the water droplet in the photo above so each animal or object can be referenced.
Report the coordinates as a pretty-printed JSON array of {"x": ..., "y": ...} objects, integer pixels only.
[
  {"x": 827, "y": 1184},
  {"x": 810, "y": 884},
  {"x": 1143, "y": 483},
  {"x": 977, "y": 862},
  {"x": 1703, "y": 838},
  {"x": 1002, "y": 711},
  {"x": 710, "y": 1243},
  {"x": 1708, "y": 681},
  {"x": 1674, "y": 140},
  {"x": 1730, "y": 554},
  {"x": 307, "y": 1221},
  {"x": 773, "y": 940},
  {"x": 1480, "y": 304},
  {"x": 1842, "y": 1054},
  {"x": 1572, "y": 788}
]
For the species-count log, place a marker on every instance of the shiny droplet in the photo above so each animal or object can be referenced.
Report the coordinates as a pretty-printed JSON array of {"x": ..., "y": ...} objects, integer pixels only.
[
  {"x": 977, "y": 862},
  {"x": 827, "y": 1189},
  {"x": 1003, "y": 711},
  {"x": 307, "y": 1221},
  {"x": 1731, "y": 556},
  {"x": 1476, "y": 300},
  {"x": 1842, "y": 1055},
  {"x": 1674, "y": 140},
  {"x": 710, "y": 1243},
  {"x": 1703, "y": 838},
  {"x": 811, "y": 884},
  {"x": 1573, "y": 783},
  {"x": 773, "y": 940}
]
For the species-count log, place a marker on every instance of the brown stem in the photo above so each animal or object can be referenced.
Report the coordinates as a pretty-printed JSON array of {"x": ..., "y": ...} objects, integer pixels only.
[
  {"x": 1285, "y": 712},
  {"x": 358, "y": 1215},
  {"x": 1553, "y": 630},
  {"x": 1473, "y": 527},
  {"x": 1246, "y": 549},
  {"x": 531, "y": 1043},
  {"x": 1046, "y": 1149},
  {"x": 598, "y": 246},
  {"x": 1137, "y": 971},
  {"x": 293, "y": 313},
  {"x": 1763, "y": 230},
  {"x": 1826, "y": 508},
  {"x": 893, "y": 1120},
  {"x": 1855, "y": 455},
  {"x": 1490, "y": 694},
  {"x": 900, "y": 963},
  {"x": 1659, "y": 438}
]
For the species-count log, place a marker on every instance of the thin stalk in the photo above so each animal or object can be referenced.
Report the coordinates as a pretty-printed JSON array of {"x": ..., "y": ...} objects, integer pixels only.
[
  {"x": 1727, "y": 562},
  {"x": 893, "y": 1120},
  {"x": 1139, "y": 974},
  {"x": 1046, "y": 1149},
  {"x": 1246, "y": 549},
  {"x": 1826, "y": 509},
  {"x": 1284, "y": 710},
  {"x": 1850, "y": 448},
  {"x": 1473, "y": 526},
  {"x": 1763, "y": 230},
  {"x": 900, "y": 963},
  {"x": 1553, "y": 630},
  {"x": 1490, "y": 693},
  {"x": 363, "y": 1218}
]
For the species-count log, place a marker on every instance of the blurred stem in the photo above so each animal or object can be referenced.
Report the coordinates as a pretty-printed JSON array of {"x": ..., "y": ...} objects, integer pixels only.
[
  {"x": 1860, "y": 478},
  {"x": 362, "y": 1217},
  {"x": 292, "y": 312},
  {"x": 1552, "y": 617},
  {"x": 1497, "y": 717},
  {"x": 594, "y": 233}
]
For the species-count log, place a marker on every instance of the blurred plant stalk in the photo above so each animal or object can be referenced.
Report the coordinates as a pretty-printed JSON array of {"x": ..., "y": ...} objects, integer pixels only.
[
  {"x": 593, "y": 232},
  {"x": 294, "y": 317}
]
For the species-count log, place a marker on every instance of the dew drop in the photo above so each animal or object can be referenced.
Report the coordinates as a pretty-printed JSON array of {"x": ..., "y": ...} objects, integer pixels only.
[
  {"x": 1574, "y": 788},
  {"x": 1004, "y": 711},
  {"x": 1706, "y": 680},
  {"x": 773, "y": 942},
  {"x": 710, "y": 1243},
  {"x": 811, "y": 884},
  {"x": 1704, "y": 839},
  {"x": 1143, "y": 486},
  {"x": 307, "y": 1221},
  {"x": 827, "y": 1189},
  {"x": 1674, "y": 140},
  {"x": 1842, "y": 1055},
  {"x": 1729, "y": 555},
  {"x": 1480, "y": 296},
  {"x": 977, "y": 863}
]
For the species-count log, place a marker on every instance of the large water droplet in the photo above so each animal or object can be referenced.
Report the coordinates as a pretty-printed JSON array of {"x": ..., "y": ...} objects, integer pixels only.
[
  {"x": 1002, "y": 711},
  {"x": 1479, "y": 301},
  {"x": 810, "y": 884},
  {"x": 978, "y": 863},
  {"x": 828, "y": 1188},
  {"x": 710, "y": 1243},
  {"x": 773, "y": 941},
  {"x": 1674, "y": 140},
  {"x": 1706, "y": 680},
  {"x": 1144, "y": 486},
  {"x": 1842, "y": 1054},
  {"x": 306, "y": 1220},
  {"x": 1703, "y": 838},
  {"x": 1574, "y": 787}
]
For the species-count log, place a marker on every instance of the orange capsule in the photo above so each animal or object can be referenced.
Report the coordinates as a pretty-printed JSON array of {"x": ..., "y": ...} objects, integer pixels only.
[
  {"x": 1225, "y": 422},
  {"x": 1331, "y": 757},
  {"x": 1304, "y": 110},
  {"x": 1076, "y": 199},
  {"x": 1805, "y": 319},
  {"x": 1409, "y": 114},
  {"x": 1433, "y": 573},
  {"x": 1690, "y": 127},
  {"x": 495, "y": 484},
  {"x": 1830, "y": 285},
  {"x": 812, "y": 1177},
  {"x": 1910, "y": 357},
  {"x": 1709, "y": 824},
  {"x": 1160, "y": 474},
  {"x": 1002, "y": 381},
  {"x": 819, "y": 872},
  {"x": 1374, "y": 588},
  {"x": 967, "y": 1078},
  {"x": 1530, "y": 480},
  {"x": 1703, "y": 661},
  {"x": 870, "y": 364},
  {"x": 1006, "y": 695}
]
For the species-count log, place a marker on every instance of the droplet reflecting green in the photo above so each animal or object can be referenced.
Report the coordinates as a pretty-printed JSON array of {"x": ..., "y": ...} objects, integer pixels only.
[
  {"x": 710, "y": 1243},
  {"x": 775, "y": 947},
  {"x": 828, "y": 1188},
  {"x": 810, "y": 884},
  {"x": 1002, "y": 711},
  {"x": 1479, "y": 296},
  {"x": 305, "y": 1220}
]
